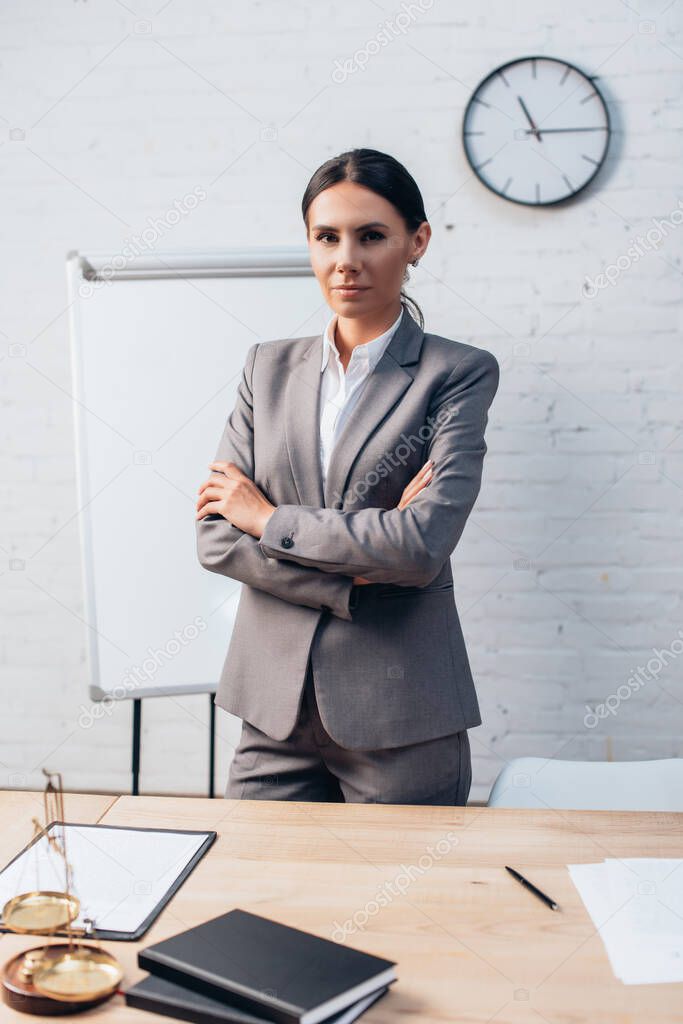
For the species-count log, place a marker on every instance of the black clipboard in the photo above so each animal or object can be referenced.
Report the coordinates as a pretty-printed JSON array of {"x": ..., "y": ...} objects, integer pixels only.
[{"x": 103, "y": 933}]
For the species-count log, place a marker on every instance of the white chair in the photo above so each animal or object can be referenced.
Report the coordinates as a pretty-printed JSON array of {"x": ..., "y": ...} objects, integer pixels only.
[{"x": 590, "y": 785}]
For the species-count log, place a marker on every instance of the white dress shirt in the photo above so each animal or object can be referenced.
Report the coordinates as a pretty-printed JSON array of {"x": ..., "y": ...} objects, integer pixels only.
[{"x": 339, "y": 390}]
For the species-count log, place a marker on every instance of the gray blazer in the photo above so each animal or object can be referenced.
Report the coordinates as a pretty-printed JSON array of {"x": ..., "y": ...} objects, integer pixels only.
[{"x": 388, "y": 657}]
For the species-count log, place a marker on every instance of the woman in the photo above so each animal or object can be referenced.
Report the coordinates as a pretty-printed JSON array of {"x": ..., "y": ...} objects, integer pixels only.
[{"x": 342, "y": 483}]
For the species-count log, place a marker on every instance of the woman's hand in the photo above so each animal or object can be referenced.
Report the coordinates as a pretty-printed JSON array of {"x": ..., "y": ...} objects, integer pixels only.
[
  {"x": 230, "y": 493},
  {"x": 420, "y": 480}
]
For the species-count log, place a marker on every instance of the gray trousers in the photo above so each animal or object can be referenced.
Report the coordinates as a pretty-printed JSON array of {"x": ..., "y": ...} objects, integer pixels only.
[{"x": 310, "y": 765}]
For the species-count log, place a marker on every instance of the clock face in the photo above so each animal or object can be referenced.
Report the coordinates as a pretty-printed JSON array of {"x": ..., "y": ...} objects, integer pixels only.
[{"x": 536, "y": 131}]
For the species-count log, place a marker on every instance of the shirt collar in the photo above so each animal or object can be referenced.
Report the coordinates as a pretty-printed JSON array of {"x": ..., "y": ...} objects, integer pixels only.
[{"x": 370, "y": 352}]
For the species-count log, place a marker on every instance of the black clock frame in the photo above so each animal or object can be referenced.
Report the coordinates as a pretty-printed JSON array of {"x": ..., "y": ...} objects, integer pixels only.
[{"x": 496, "y": 71}]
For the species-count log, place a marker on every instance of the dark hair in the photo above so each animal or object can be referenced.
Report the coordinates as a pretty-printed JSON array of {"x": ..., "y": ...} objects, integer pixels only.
[{"x": 382, "y": 174}]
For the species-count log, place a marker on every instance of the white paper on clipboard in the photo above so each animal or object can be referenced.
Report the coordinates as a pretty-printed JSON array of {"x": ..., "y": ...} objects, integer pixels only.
[{"x": 120, "y": 875}]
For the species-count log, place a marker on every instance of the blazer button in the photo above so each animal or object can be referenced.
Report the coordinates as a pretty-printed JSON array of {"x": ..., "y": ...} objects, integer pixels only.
[{"x": 287, "y": 542}]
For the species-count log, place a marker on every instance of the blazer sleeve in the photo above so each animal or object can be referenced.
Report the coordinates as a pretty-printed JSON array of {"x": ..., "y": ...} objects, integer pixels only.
[
  {"x": 224, "y": 549},
  {"x": 405, "y": 546}
]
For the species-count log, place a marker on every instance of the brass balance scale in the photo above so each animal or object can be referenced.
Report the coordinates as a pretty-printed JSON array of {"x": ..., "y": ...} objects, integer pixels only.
[{"x": 65, "y": 977}]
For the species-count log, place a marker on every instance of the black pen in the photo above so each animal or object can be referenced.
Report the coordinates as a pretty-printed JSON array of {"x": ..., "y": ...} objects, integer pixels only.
[{"x": 532, "y": 888}]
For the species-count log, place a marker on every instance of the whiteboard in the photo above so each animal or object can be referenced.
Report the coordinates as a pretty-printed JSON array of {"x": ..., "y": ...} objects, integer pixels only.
[{"x": 158, "y": 345}]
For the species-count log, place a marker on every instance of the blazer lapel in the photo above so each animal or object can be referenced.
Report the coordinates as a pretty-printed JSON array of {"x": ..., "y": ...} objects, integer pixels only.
[
  {"x": 383, "y": 389},
  {"x": 302, "y": 426}
]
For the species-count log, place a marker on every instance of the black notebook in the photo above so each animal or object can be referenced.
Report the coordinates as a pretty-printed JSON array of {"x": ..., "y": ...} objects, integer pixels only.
[
  {"x": 160, "y": 996},
  {"x": 268, "y": 969}
]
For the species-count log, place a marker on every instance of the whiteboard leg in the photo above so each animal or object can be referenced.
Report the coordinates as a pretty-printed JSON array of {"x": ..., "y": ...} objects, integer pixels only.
[
  {"x": 137, "y": 717},
  {"x": 212, "y": 744}
]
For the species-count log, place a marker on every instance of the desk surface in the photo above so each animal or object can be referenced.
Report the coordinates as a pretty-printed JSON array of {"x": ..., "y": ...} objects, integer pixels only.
[{"x": 424, "y": 886}]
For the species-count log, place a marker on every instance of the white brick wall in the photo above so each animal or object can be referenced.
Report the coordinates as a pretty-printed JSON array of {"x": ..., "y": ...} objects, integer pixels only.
[{"x": 570, "y": 570}]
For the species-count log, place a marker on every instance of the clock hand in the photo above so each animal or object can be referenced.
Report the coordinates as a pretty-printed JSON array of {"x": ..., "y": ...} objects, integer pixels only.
[{"x": 535, "y": 130}]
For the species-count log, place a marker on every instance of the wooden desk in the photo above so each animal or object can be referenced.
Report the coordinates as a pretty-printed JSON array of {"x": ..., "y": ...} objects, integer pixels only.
[{"x": 470, "y": 943}]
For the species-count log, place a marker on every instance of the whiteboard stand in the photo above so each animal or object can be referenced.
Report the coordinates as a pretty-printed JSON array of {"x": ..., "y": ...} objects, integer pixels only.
[
  {"x": 137, "y": 733},
  {"x": 158, "y": 346}
]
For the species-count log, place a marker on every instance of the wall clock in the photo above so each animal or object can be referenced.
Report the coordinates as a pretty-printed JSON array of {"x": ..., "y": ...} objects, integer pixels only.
[{"x": 536, "y": 131}]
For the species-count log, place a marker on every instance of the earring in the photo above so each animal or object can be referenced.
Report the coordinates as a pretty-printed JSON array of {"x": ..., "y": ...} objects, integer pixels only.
[{"x": 415, "y": 262}]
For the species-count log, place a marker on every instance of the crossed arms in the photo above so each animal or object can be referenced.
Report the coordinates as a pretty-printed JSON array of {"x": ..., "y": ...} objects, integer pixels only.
[{"x": 328, "y": 547}]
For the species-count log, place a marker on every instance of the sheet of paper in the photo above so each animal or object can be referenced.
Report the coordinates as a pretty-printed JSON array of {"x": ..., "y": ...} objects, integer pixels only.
[
  {"x": 651, "y": 946},
  {"x": 637, "y": 906},
  {"x": 119, "y": 874}
]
